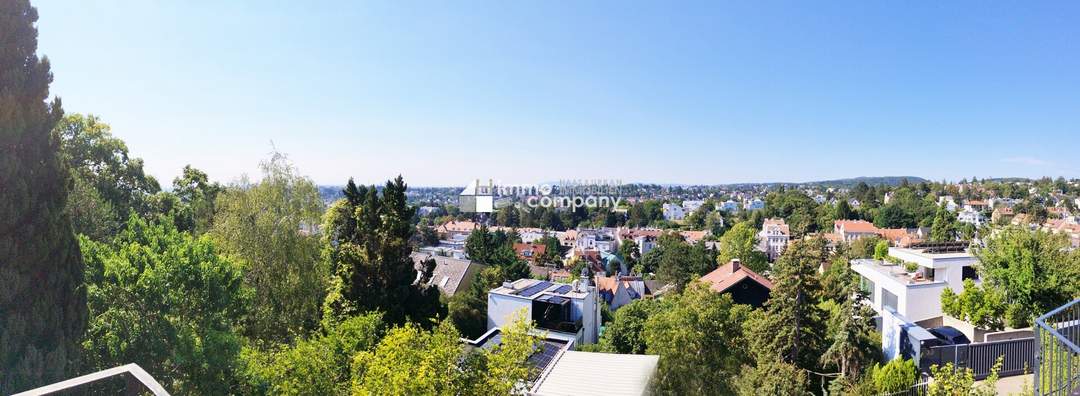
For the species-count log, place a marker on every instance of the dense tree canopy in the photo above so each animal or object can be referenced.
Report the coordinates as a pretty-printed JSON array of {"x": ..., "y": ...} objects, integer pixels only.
[
  {"x": 1025, "y": 274},
  {"x": 267, "y": 226},
  {"x": 42, "y": 300},
  {"x": 366, "y": 239},
  {"x": 167, "y": 301},
  {"x": 741, "y": 242},
  {"x": 109, "y": 182}
]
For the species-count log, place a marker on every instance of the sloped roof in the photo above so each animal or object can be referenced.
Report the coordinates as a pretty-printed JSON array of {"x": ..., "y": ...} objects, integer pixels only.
[
  {"x": 724, "y": 277},
  {"x": 449, "y": 273}
]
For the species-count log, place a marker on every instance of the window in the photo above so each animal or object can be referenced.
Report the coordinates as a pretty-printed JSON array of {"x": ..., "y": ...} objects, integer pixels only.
[
  {"x": 970, "y": 273},
  {"x": 867, "y": 287},
  {"x": 888, "y": 299}
]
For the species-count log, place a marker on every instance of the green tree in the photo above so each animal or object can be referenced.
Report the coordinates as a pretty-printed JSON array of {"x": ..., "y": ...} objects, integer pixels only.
[
  {"x": 412, "y": 361},
  {"x": 496, "y": 248},
  {"x": 1035, "y": 272},
  {"x": 844, "y": 212},
  {"x": 789, "y": 328},
  {"x": 741, "y": 242},
  {"x": 318, "y": 365},
  {"x": 895, "y": 376},
  {"x": 267, "y": 227},
  {"x": 105, "y": 174},
  {"x": 980, "y": 306},
  {"x": 850, "y": 329},
  {"x": 626, "y": 332},
  {"x": 468, "y": 309},
  {"x": 43, "y": 302},
  {"x": 677, "y": 262},
  {"x": 881, "y": 249},
  {"x": 198, "y": 195},
  {"x": 166, "y": 301},
  {"x": 697, "y": 337},
  {"x": 944, "y": 227},
  {"x": 366, "y": 241},
  {"x": 771, "y": 378}
]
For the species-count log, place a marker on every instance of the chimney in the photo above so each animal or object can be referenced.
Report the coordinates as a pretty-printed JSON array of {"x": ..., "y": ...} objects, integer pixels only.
[{"x": 735, "y": 264}]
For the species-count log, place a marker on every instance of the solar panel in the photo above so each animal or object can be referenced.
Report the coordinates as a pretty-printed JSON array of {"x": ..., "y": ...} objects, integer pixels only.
[
  {"x": 563, "y": 289},
  {"x": 543, "y": 357},
  {"x": 536, "y": 288}
]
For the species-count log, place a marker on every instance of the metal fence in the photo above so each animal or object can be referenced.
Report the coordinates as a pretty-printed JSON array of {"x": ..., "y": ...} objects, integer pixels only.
[
  {"x": 1019, "y": 357},
  {"x": 1057, "y": 368}
]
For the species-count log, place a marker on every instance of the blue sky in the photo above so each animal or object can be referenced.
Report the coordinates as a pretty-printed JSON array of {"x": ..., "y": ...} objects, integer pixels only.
[{"x": 711, "y": 92}]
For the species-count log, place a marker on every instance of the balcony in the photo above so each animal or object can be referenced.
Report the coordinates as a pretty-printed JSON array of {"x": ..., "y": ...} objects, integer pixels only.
[{"x": 1057, "y": 356}]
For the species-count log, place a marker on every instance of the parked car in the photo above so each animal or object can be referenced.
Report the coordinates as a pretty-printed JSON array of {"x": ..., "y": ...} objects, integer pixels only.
[{"x": 949, "y": 335}]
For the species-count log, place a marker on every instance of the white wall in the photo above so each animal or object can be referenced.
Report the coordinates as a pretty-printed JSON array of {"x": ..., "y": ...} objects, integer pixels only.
[{"x": 502, "y": 308}]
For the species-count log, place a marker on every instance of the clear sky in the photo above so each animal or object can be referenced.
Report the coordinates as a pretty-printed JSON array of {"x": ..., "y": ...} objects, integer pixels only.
[{"x": 445, "y": 92}]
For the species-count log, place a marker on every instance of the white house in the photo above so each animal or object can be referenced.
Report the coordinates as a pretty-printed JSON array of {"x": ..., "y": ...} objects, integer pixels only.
[
  {"x": 729, "y": 206},
  {"x": 949, "y": 202},
  {"x": 755, "y": 204},
  {"x": 673, "y": 212},
  {"x": 917, "y": 295},
  {"x": 595, "y": 240},
  {"x": 971, "y": 216},
  {"x": 689, "y": 206},
  {"x": 564, "y": 311},
  {"x": 773, "y": 237}
]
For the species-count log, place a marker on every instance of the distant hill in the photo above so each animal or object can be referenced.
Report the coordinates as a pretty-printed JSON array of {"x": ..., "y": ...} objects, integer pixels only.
[{"x": 873, "y": 181}]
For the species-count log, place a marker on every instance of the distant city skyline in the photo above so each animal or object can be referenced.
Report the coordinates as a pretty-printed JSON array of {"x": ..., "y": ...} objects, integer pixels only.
[{"x": 695, "y": 93}]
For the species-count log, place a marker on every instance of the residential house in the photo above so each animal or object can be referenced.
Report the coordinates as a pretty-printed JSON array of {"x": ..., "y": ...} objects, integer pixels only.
[
  {"x": 850, "y": 230},
  {"x": 530, "y": 252},
  {"x": 755, "y": 204},
  {"x": 617, "y": 291},
  {"x": 854, "y": 203},
  {"x": 1002, "y": 214},
  {"x": 568, "y": 312},
  {"x": 456, "y": 228},
  {"x": 916, "y": 295},
  {"x": 773, "y": 237},
  {"x": 602, "y": 240},
  {"x": 976, "y": 205},
  {"x": 730, "y": 206},
  {"x": 693, "y": 237},
  {"x": 949, "y": 202},
  {"x": 450, "y": 274},
  {"x": 971, "y": 216},
  {"x": 689, "y": 206},
  {"x": 673, "y": 212},
  {"x": 744, "y": 285}
]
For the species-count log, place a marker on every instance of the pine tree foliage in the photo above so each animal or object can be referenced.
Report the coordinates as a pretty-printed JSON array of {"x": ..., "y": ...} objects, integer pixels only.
[
  {"x": 42, "y": 302},
  {"x": 367, "y": 244}
]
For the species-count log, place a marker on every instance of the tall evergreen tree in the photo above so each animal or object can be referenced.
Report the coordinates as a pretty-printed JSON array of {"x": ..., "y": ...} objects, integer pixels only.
[
  {"x": 789, "y": 329},
  {"x": 42, "y": 301},
  {"x": 368, "y": 247}
]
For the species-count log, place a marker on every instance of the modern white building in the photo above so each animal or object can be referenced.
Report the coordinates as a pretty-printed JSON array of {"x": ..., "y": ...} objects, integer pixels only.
[
  {"x": 971, "y": 216},
  {"x": 673, "y": 212},
  {"x": 689, "y": 206},
  {"x": 916, "y": 295},
  {"x": 565, "y": 311}
]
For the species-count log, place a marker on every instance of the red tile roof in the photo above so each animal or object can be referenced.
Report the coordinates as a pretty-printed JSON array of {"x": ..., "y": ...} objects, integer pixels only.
[{"x": 725, "y": 277}]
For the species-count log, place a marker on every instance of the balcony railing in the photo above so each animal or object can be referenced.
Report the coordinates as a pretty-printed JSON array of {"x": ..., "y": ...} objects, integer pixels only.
[
  {"x": 137, "y": 382},
  {"x": 1057, "y": 356}
]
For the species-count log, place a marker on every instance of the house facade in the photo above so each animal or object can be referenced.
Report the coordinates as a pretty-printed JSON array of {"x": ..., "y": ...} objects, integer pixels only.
[
  {"x": 564, "y": 311},
  {"x": 915, "y": 295}
]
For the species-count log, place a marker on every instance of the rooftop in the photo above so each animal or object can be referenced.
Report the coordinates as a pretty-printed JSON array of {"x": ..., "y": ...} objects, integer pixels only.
[
  {"x": 894, "y": 271},
  {"x": 533, "y": 289},
  {"x": 730, "y": 274},
  {"x": 577, "y": 373}
]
